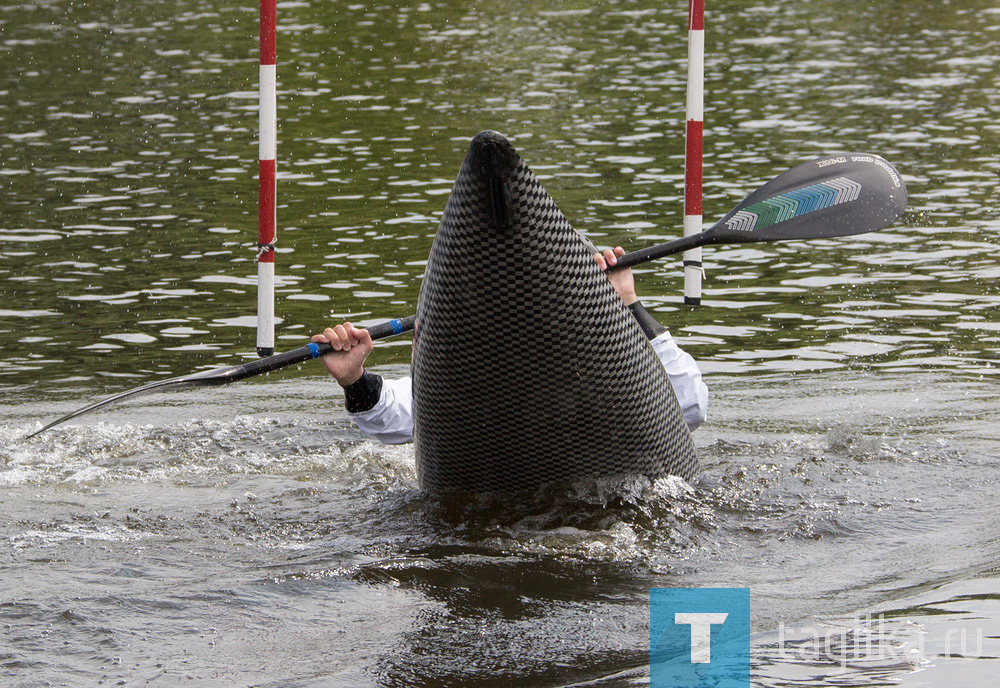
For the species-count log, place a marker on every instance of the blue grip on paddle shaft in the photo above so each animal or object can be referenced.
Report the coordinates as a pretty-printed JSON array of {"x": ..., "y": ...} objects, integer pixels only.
[{"x": 392, "y": 327}]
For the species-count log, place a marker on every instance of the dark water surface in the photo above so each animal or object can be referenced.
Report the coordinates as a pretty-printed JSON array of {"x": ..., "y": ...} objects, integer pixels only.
[{"x": 249, "y": 535}]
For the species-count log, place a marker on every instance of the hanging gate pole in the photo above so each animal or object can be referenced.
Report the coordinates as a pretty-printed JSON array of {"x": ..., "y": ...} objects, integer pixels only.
[
  {"x": 267, "y": 171},
  {"x": 694, "y": 148}
]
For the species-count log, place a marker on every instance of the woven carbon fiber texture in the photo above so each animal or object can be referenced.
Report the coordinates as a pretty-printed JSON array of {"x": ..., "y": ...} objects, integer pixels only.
[{"x": 527, "y": 367}]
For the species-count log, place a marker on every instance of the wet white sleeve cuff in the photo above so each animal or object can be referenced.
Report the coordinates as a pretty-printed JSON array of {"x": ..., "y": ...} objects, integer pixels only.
[
  {"x": 686, "y": 379},
  {"x": 390, "y": 420}
]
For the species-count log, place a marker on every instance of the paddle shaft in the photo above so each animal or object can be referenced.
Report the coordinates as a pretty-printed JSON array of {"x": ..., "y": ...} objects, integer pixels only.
[
  {"x": 314, "y": 350},
  {"x": 645, "y": 255}
]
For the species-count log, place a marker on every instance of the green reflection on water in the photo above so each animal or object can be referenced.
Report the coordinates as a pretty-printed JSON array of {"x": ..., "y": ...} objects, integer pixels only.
[{"x": 129, "y": 147}]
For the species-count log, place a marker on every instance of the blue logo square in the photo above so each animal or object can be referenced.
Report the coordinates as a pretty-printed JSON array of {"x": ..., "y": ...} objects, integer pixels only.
[{"x": 699, "y": 637}]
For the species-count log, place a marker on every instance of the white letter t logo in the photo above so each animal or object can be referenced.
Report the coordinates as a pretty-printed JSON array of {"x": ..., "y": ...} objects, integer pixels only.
[{"x": 701, "y": 633}]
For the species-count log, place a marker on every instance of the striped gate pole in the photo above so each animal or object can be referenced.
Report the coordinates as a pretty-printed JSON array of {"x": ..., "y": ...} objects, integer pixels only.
[
  {"x": 267, "y": 191},
  {"x": 694, "y": 148}
]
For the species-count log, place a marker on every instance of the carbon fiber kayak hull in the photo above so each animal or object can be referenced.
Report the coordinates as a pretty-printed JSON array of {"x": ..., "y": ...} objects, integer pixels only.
[{"x": 527, "y": 367}]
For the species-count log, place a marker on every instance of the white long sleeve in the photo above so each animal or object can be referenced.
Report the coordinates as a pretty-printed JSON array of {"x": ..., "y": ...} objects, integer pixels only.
[
  {"x": 391, "y": 419},
  {"x": 685, "y": 377}
]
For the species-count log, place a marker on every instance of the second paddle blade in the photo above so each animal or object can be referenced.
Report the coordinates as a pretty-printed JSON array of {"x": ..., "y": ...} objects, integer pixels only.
[{"x": 839, "y": 195}]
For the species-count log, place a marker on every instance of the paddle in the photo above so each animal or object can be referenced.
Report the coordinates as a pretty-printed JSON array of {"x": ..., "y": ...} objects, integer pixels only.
[{"x": 839, "y": 195}]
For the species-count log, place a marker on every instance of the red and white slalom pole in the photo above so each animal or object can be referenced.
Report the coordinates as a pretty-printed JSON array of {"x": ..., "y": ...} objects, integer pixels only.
[
  {"x": 267, "y": 221},
  {"x": 694, "y": 149}
]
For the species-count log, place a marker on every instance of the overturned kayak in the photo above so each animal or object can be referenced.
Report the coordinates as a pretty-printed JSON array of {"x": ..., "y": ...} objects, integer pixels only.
[{"x": 527, "y": 367}]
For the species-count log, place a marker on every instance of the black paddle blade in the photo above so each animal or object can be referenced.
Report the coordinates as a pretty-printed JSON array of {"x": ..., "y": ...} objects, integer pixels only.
[
  {"x": 839, "y": 195},
  {"x": 218, "y": 376},
  {"x": 227, "y": 374}
]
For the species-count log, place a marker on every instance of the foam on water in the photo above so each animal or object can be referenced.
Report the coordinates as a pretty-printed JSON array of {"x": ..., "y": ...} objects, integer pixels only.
[{"x": 107, "y": 454}]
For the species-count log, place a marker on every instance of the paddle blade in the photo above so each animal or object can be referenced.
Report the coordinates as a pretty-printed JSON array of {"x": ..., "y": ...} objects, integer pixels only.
[
  {"x": 839, "y": 195},
  {"x": 218, "y": 376}
]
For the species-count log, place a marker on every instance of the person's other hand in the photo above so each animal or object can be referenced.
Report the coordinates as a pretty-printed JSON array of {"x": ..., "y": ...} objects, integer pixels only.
[
  {"x": 351, "y": 346},
  {"x": 621, "y": 280}
]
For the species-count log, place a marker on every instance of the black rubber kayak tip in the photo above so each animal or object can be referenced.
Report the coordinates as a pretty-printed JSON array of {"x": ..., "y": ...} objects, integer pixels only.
[{"x": 492, "y": 160}]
